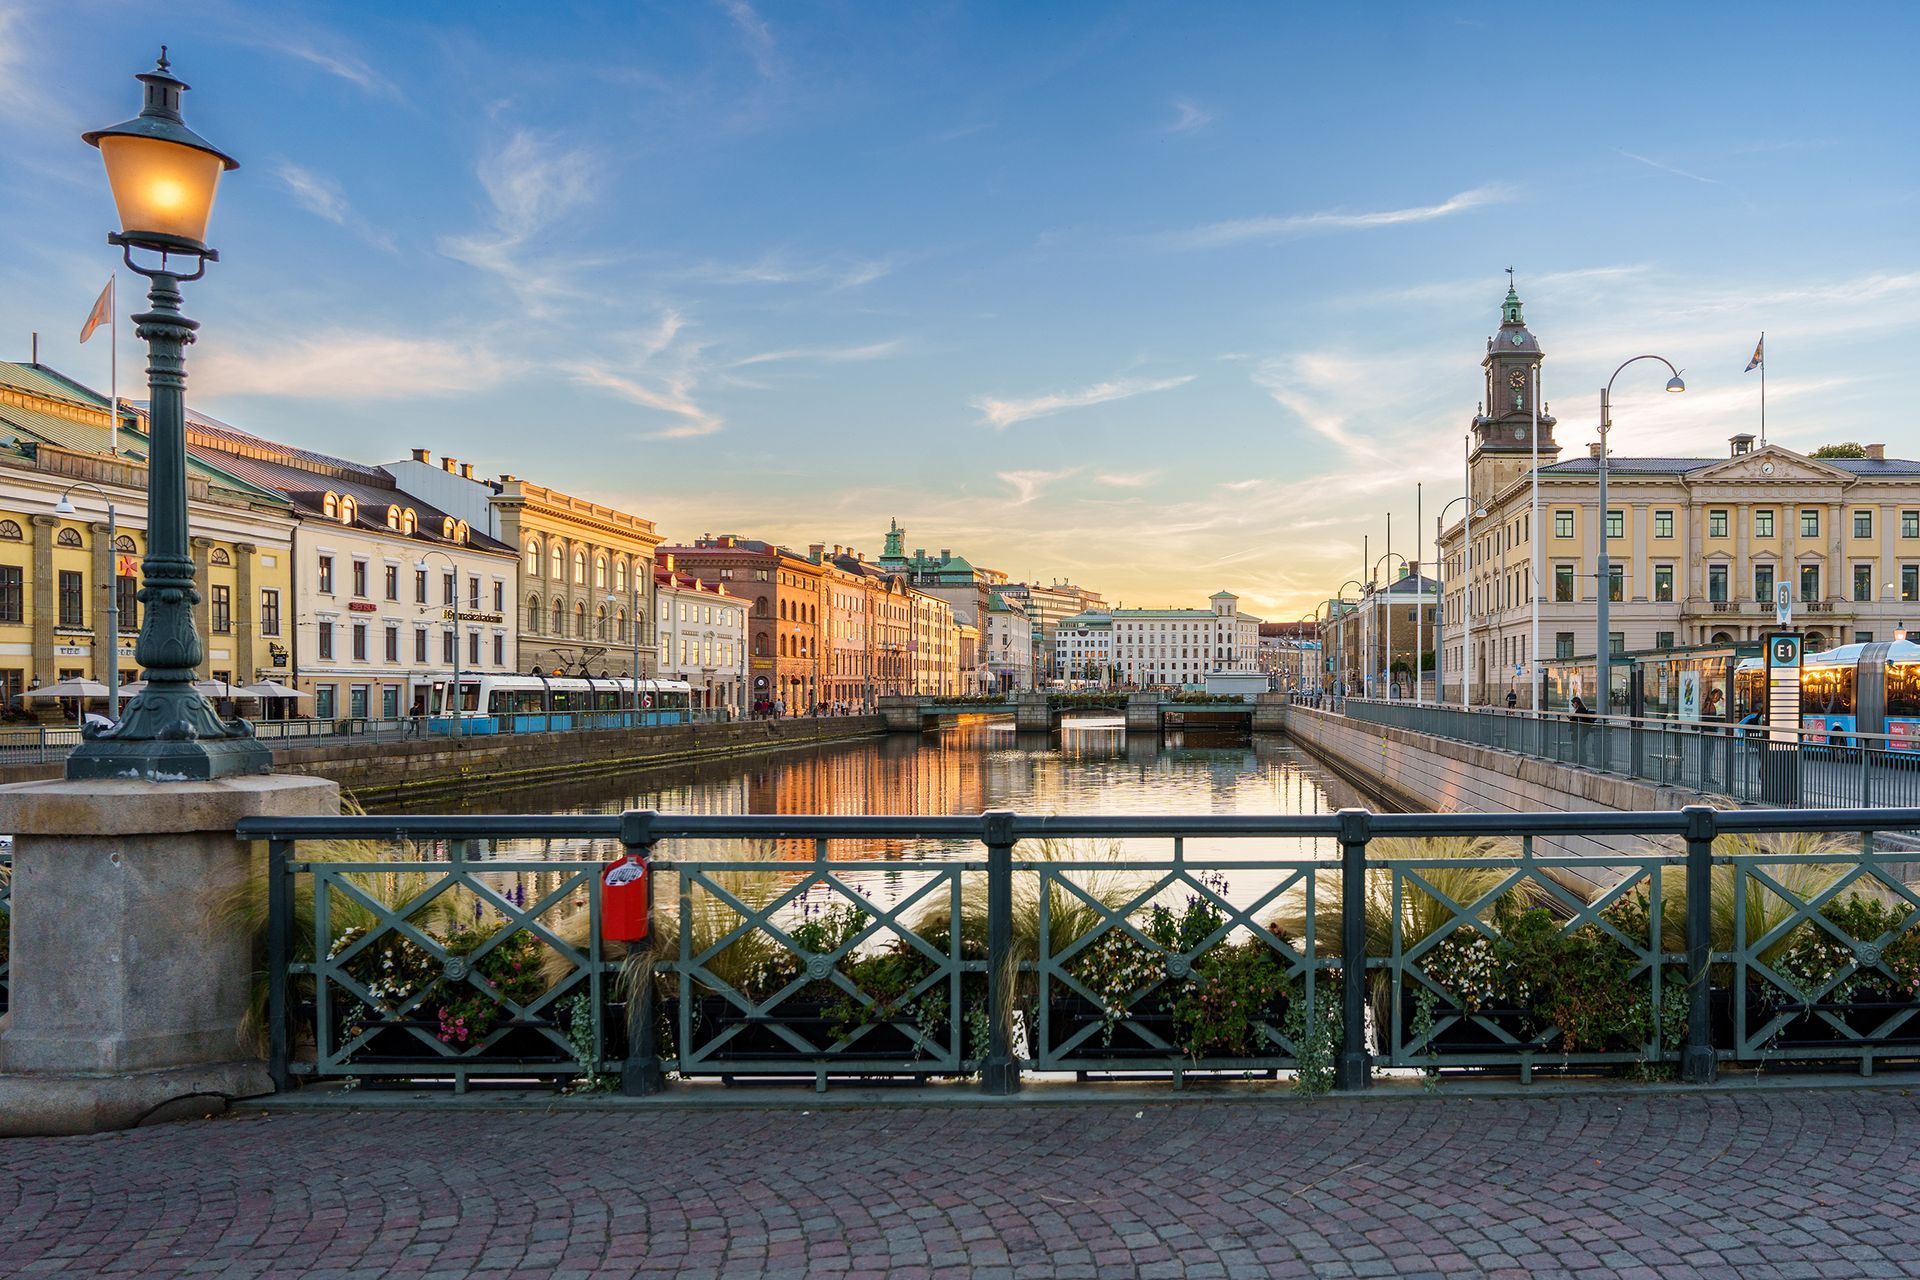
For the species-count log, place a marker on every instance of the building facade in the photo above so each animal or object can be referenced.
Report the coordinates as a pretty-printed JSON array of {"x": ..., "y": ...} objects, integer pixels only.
[
  {"x": 702, "y": 637},
  {"x": 1009, "y": 645},
  {"x": 1698, "y": 547},
  {"x": 391, "y": 593},
  {"x": 1376, "y": 643},
  {"x": 1083, "y": 649},
  {"x": 1177, "y": 648},
  {"x": 780, "y": 590}
]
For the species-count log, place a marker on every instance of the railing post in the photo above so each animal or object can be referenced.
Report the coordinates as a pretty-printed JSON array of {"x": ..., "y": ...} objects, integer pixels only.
[
  {"x": 641, "y": 1075},
  {"x": 1353, "y": 1068},
  {"x": 279, "y": 957},
  {"x": 1000, "y": 1074},
  {"x": 1697, "y": 1062}
]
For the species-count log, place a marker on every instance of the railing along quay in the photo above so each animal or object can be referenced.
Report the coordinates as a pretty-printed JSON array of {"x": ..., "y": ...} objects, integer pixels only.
[
  {"x": 1835, "y": 769},
  {"x": 823, "y": 948}
]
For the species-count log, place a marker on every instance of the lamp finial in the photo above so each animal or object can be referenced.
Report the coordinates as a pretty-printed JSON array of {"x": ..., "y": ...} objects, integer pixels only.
[{"x": 162, "y": 64}]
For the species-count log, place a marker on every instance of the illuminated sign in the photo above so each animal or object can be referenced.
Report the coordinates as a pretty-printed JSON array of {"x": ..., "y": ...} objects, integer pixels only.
[
  {"x": 1784, "y": 651},
  {"x": 450, "y": 615},
  {"x": 362, "y": 606}
]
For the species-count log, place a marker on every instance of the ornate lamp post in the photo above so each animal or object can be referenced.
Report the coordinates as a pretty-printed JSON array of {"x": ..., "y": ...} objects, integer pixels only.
[
  {"x": 163, "y": 177},
  {"x": 1603, "y": 595}
]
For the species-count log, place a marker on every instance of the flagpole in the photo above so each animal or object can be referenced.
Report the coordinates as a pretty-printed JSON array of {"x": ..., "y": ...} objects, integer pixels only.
[
  {"x": 113, "y": 346},
  {"x": 1763, "y": 388}
]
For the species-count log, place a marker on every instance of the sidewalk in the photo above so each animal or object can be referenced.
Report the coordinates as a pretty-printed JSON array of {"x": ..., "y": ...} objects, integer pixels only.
[{"x": 1778, "y": 1183}]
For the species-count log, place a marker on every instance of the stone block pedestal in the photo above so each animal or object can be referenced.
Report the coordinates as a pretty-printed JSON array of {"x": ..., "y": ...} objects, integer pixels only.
[{"x": 128, "y": 987}]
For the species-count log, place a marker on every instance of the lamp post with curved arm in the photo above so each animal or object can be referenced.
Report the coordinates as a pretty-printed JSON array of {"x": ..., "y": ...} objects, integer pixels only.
[
  {"x": 1388, "y": 638},
  {"x": 1339, "y": 598},
  {"x": 1603, "y": 594},
  {"x": 1466, "y": 604},
  {"x": 64, "y": 507}
]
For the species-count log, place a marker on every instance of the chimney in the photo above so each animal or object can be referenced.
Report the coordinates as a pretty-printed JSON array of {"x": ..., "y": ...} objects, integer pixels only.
[
  {"x": 669, "y": 562},
  {"x": 450, "y": 466},
  {"x": 1742, "y": 443},
  {"x": 1593, "y": 450},
  {"x": 507, "y": 477},
  {"x": 816, "y": 551},
  {"x": 946, "y": 554},
  {"x": 1876, "y": 453},
  {"x": 423, "y": 455},
  {"x": 466, "y": 471}
]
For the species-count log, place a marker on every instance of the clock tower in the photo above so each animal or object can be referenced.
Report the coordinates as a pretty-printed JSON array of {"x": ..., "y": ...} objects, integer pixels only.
[{"x": 1503, "y": 428}]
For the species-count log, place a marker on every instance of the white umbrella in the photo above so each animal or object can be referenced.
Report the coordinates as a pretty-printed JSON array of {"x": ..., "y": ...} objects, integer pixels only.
[
  {"x": 272, "y": 690},
  {"x": 70, "y": 689},
  {"x": 205, "y": 688}
]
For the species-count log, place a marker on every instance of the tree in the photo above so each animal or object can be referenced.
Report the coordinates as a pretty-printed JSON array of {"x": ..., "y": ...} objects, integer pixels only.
[{"x": 1846, "y": 449}]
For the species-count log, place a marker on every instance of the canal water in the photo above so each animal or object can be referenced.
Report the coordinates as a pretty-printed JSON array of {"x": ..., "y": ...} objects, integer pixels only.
[{"x": 1090, "y": 767}]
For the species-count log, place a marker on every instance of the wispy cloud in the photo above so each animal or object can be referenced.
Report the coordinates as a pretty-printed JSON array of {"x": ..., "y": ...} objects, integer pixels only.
[
  {"x": 1188, "y": 117},
  {"x": 24, "y": 95},
  {"x": 755, "y": 34},
  {"x": 531, "y": 182},
  {"x": 661, "y": 368},
  {"x": 1133, "y": 480},
  {"x": 322, "y": 197},
  {"x": 826, "y": 355},
  {"x": 351, "y": 364},
  {"x": 316, "y": 48},
  {"x": 774, "y": 268},
  {"x": 673, "y": 396},
  {"x": 1667, "y": 168},
  {"x": 1028, "y": 485},
  {"x": 1215, "y": 235},
  {"x": 1001, "y": 414}
]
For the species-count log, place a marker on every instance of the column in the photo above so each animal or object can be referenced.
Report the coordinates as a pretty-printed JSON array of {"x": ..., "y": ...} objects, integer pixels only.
[
  {"x": 45, "y": 612},
  {"x": 203, "y": 611},
  {"x": 246, "y": 615}
]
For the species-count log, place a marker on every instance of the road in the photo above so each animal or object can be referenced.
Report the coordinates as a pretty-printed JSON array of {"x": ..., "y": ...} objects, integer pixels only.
[{"x": 1747, "y": 1185}]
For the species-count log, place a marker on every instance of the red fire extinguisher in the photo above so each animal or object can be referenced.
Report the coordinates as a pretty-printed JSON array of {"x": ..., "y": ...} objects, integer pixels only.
[{"x": 625, "y": 914}]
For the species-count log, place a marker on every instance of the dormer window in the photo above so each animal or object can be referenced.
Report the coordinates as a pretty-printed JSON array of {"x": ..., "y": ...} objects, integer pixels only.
[
  {"x": 349, "y": 509},
  {"x": 393, "y": 517},
  {"x": 446, "y": 528},
  {"x": 409, "y": 521},
  {"x": 330, "y": 506},
  {"x": 460, "y": 532}
]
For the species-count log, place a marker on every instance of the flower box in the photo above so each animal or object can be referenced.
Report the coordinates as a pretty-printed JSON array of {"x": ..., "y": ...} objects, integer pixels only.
[
  {"x": 1864, "y": 1015},
  {"x": 1468, "y": 1034},
  {"x": 1152, "y": 1014},
  {"x": 815, "y": 1021}
]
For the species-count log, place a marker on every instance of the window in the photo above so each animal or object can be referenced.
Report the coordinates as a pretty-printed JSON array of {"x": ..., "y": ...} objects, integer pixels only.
[
  {"x": 1663, "y": 524},
  {"x": 357, "y": 702},
  {"x": 1763, "y": 583},
  {"x": 1563, "y": 524},
  {"x": 326, "y": 640},
  {"x": 419, "y": 586},
  {"x": 220, "y": 609},
  {"x": 1863, "y": 582},
  {"x": 73, "y": 610},
  {"x": 12, "y": 590},
  {"x": 580, "y": 568},
  {"x": 1863, "y": 637},
  {"x": 323, "y": 704},
  {"x": 390, "y": 702},
  {"x": 1717, "y": 582},
  {"x": 269, "y": 611},
  {"x": 1616, "y": 582},
  {"x": 448, "y": 590},
  {"x": 1863, "y": 524},
  {"x": 1616, "y": 525},
  {"x": 1616, "y": 643},
  {"x": 10, "y": 531},
  {"x": 473, "y": 648},
  {"x": 126, "y": 602},
  {"x": 1910, "y": 524},
  {"x": 360, "y": 578},
  {"x": 330, "y": 506},
  {"x": 359, "y": 642},
  {"x": 1910, "y": 582},
  {"x": 349, "y": 510},
  {"x": 1809, "y": 582},
  {"x": 393, "y": 643},
  {"x": 499, "y": 650},
  {"x": 219, "y": 556},
  {"x": 1663, "y": 639},
  {"x": 68, "y": 538},
  {"x": 533, "y": 558},
  {"x": 447, "y": 650},
  {"x": 1763, "y": 524},
  {"x": 499, "y": 597},
  {"x": 393, "y": 517},
  {"x": 1809, "y": 522},
  {"x": 600, "y": 571},
  {"x": 533, "y": 613},
  {"x": 419, "y": 644},
  {"x": 473, "y": 593},
  {"x": 1663, "y": 583},
  {"x": 393, "y": 582},
  {"x": 557, "y": 561},
  {"x": 326, "y": 575},
  {"x": 1716, "y": 524}
]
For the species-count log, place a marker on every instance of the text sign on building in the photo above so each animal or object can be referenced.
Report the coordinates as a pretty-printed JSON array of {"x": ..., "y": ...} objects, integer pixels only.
[
  {"x": 1784, "y": 651},
  {"x": 466, "y": 615}
]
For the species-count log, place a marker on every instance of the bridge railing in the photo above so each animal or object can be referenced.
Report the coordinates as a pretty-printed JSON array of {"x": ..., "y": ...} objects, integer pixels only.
[
  {"x": 1798, "y": 767},
  {"x": 409, "y": 948}
]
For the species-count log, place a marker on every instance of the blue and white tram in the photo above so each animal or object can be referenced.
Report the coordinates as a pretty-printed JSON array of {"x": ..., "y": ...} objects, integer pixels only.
[
  {"x": 539, "y": 704},
  {"x": 1854, "y": 689}
]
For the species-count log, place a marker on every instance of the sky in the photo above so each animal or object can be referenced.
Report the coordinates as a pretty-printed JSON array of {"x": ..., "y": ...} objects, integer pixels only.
[{"x": 1157, "y": 298}]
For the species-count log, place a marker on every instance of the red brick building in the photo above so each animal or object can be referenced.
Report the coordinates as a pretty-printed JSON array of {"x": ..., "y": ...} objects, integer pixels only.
[{"x": 782, "y": 591}]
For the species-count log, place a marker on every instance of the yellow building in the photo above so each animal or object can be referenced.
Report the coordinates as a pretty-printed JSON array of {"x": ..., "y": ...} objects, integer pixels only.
[
  {"x": 1697, "y": 546},
  {"x": 57, "y": 573}
]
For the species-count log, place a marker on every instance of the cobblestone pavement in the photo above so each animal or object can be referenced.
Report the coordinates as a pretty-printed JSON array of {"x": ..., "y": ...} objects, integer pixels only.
[{"x": 1749, "y": 1186}]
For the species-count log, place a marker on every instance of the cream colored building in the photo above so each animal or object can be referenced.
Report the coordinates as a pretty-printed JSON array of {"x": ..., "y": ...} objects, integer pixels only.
[
  {"x": 934, "y": 650},
  {"x": 702, "y": 636},
  {"x": 1698, "y": 546}
]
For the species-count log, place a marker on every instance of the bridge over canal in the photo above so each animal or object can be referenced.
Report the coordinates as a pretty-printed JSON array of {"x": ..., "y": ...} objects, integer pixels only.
[{"x": 1141, "y": 712}]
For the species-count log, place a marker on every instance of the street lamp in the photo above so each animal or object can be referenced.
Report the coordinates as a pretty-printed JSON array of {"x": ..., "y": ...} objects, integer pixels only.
[
  {"x": 1603, "y": 645},
  {"x": 453, "y": 618},
  {"x": 163, "y": 177},
  {"x": 1372, "y": 611},
  {"x": 1466, "y": 602},
  {"x": 1339, "y": 598},
  {"x": 64, "y": 507}
]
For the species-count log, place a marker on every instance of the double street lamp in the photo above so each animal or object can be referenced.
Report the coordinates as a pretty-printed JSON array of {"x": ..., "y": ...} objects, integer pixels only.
[
  {"x": 1603, "y": 594},
  {"x": 164, "y": 177}
]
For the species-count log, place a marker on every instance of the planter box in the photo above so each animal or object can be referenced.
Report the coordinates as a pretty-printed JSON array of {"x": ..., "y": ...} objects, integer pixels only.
[
  {"x": 1068, "y": 1015},
  {"x": 1807, "y": 1029},
  {"x": 754, "y": 1038},
  {"x": 393, "y": 1044},
  {"x": 1465, "y": 1036}
]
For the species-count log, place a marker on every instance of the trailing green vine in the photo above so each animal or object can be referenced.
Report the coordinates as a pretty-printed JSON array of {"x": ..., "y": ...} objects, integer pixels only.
[{"x": 1316, "y": 1038}]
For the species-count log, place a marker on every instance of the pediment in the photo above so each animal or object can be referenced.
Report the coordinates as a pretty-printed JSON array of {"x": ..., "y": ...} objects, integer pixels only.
[{"x": 1786, "y": 465}]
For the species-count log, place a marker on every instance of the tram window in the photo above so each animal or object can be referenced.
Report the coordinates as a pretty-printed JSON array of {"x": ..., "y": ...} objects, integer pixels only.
[
  {"x": 1827, "y": 691},
  {"x": 1903, "y": 688}
]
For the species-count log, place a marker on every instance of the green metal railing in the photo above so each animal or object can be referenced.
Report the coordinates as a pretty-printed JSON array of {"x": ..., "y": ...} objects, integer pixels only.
[
  {"x": 857, "y": 947},
  {"x": 6, "y": 928}
]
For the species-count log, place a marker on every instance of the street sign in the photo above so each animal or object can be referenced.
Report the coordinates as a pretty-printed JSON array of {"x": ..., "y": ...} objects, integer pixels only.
[
  {"x": 1783, "y": 604},
  {"x": 1784, "y": 651}
]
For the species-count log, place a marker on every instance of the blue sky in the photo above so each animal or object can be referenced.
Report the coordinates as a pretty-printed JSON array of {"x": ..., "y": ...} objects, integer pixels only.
[{"x": 1160, "y": 298}]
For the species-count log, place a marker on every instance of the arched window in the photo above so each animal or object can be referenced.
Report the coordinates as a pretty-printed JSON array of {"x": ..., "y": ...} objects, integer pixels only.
[
  {"x": 600, "y": 571},
  {"x": 121, "y": 543},
  {"x": 330, "y": 505},
  {"x": 393, "y": 516},
  {"x": 620, "y": 624},
  {"x": 620, "y": 575},
  {"x": 580, "y": 621},
  {"x": 446, "y": 528},
  {"x": 559, "y": 619},
  {"x": 533, "y": 613},
  {"x": 580, "y": 568},
  {"x": 219, "y": 556},
  {"x": 349, "y": 510},
  {"x": 559, "y": 563},
  {"x": 409, "y": 521},
  {"x": 10, "y": 530},
  {"x": 68, "y": 538},
  {"x": 760, "y": 607},
  {"x": 533, "y": 557},
  {"x": 460, "y": 532},
  {"x": 600, "y": 623}
]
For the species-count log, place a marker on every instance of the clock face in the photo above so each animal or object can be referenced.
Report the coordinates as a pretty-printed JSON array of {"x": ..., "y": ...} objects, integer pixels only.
[
  {"x": 1766, "y": 468},
  {"x": 1516, "y": 379},
  {"x": 1518, "y": 338},
  {"x": 1519, "y": 433}
]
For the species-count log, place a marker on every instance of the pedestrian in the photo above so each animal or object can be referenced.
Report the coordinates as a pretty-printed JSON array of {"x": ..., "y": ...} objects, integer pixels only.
[
  {"x": 1582, "y": 719},
  {"x": 1513, "y": 700}
]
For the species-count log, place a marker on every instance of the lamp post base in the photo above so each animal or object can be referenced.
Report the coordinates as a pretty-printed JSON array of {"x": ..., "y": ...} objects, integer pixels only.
[{"x": 164, "y": 760}]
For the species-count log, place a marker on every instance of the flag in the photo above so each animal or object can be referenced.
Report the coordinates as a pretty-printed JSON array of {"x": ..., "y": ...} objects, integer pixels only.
[
  {"x": 102, "y": 312},
  {"x": 1759, "y": 354}
]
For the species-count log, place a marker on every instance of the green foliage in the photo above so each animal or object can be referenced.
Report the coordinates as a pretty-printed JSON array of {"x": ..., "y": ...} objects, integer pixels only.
[
  {"x": 1581, "y": 981},
  {"x": 1814, "y": 956},
  {"x": 1317, "y": 1039},
  {"x": 1845, "y": 449},
  {"x": 467, "y": 1014},
  {"x": 579, "y": 1016}
]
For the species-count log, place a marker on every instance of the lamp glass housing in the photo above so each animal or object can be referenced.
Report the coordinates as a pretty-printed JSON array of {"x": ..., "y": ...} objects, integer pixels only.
[
  {"x": 161, "y": 188},
  {"x": 1675, "y": 386}
]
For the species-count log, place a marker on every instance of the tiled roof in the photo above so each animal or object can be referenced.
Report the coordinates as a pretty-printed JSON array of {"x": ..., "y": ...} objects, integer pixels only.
[
  {"x": 1681, "y": 466},
  {"x": 41, "y": 380}
]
